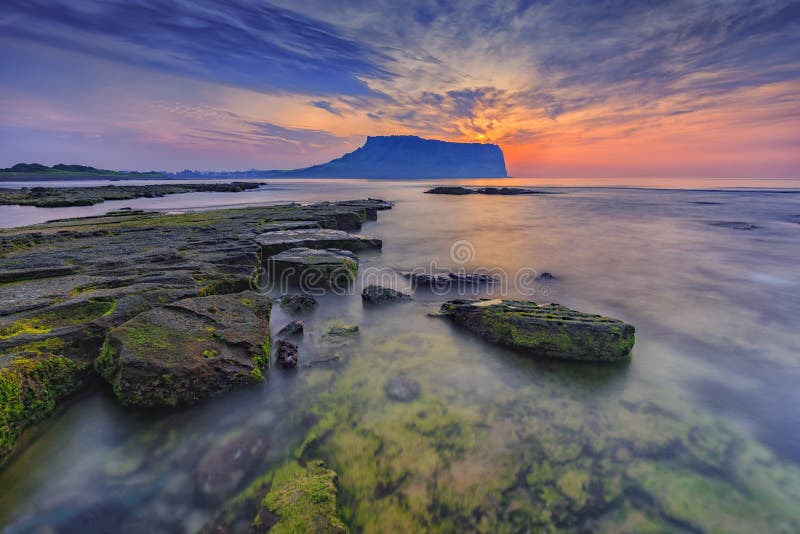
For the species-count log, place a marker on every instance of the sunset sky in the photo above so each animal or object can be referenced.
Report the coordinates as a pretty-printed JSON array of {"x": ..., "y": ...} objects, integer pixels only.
[{"x": 566, "y": 88}]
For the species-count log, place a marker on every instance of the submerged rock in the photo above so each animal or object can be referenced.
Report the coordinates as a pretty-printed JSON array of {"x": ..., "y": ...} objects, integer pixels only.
[
  {"x": 311, "y": 267},
  {"x": 342, "y": 329},
  {"x": 225, "y": 466},
  {"x": 546, "y": 276},
  {"x": 379, "y": 294},
  {"x": 294, "y": 328},
  {"x": 287, "y": 354},
  {"x": 548, "y": 330},
  {"x": 274, "y": 242},
  {"x": 189, "y": 350},
  {"x": 402, "y": 389},
  {"x": 299, "y": 303}
]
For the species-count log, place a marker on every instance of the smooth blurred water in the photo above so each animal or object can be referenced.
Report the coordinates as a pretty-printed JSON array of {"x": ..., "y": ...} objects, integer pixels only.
[{"x": 716, "y": 307}]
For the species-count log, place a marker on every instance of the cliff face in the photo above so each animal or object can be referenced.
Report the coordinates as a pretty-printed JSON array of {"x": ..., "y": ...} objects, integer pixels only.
[{"x": 408, "y": 156}]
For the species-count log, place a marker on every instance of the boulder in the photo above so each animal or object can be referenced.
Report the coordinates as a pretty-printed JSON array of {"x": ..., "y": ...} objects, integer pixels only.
[
  {"x": 189, "y": 350},
  {"x": 274, "y": 242},
  {"x": 378, "y": 295},
  {"x": 548, "y": 330},
  {"x": 287, "y": 354},
  {"x": 311, "y": 267},
  {"x": 299, "y": 303},
  {"x": 294, "y": 328}
]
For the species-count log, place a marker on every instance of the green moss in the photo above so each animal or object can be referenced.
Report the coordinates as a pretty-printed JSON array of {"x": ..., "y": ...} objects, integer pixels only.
[
  {"x": 54, "y": 345},
  {"x": 223, "y": 286},
  {"x": 74, "y": 314},
  {"x": 30, "y": 388},
  {"x": 304, "y": 499},
  {"x": 256, "y": 375}
]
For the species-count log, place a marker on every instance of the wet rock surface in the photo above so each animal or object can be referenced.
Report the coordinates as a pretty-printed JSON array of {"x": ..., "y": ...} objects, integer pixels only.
[
  {"x": 375, "y": 294},
  {"x": 56, "y": 197},
  {"x": 313, "y": 267},
  {"x": 287, "y": 354},
  {"x": 547, "y": 330},
  {"x": 459, "y": 190},
  {"x": 189, "y": 350}
]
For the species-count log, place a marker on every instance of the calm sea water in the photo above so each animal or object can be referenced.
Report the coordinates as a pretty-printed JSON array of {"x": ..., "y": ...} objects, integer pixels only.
[{"x": 708, "y": 277}]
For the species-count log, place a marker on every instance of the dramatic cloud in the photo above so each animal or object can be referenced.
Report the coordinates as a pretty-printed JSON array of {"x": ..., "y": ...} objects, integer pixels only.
[{"x": 565, "y": 86}]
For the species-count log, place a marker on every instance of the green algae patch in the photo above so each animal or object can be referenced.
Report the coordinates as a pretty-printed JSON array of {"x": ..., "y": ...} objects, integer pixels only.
[
  {"x": 293, "y": 497},
  {"x": 31, "y": 385},
  {"x": 304, "y": 499},
  {"x": 61, "y": 316}
]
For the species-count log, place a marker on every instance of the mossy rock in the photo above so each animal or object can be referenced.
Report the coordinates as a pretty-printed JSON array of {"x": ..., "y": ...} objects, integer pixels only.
[
  {"x": 31, "y": 385},
  {"x": 189, "y": 350},
  {"x": 548, "y": 330}
]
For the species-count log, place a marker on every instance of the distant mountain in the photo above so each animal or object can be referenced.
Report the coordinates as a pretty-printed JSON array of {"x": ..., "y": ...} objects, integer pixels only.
[
  {"x": 409, "y": 156},
  {"x": 394, "y": 156}
]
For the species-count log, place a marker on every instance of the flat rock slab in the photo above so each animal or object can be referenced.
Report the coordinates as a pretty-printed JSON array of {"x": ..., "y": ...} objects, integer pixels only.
[
  {"x": 313, "y": 267},
  {"x": 548, "y": 330},
  {"x": 189, "y": 350},
  {"x": 274, "y": 242}
]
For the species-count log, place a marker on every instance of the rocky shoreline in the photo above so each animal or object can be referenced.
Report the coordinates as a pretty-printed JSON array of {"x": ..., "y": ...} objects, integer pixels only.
[{"x": 60, "y": 197}]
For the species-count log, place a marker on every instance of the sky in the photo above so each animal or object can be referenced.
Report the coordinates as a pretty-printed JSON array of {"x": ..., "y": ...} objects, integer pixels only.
[{"x": 567, "y": 88}]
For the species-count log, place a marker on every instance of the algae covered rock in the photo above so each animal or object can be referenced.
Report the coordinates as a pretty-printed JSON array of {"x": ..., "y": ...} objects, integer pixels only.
[
  {"x": 189, "y": 350},
  {"x": 31, "y": 385},
  {"x": 378, "y": 295},
  {"x": 548, "y": 330}
]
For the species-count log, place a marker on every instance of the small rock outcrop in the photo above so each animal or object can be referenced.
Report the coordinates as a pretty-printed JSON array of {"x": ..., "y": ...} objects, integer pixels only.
[
  {"x": 299, "y": 303},
  {"x": 293, "y": 328},
  {"x": 311, "y": 267},
  {"x": 548, "y": 330},
  {"x": 375, "y": 294},
  {"x": 189, "y": 350},
  {"x": 287, "y": 354}
]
